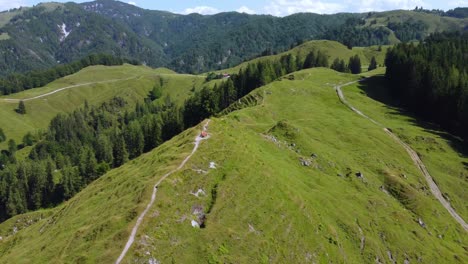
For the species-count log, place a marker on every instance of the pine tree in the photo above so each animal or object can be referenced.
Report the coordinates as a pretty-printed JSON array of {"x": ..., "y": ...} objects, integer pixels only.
[
  {"x": 104, "y": 149},
  {"x": 88, "y": 165},
  {"x": 322, "y": 59},
  {"x": 343, "y": 67},
  {"x": 28, "y": 139},
  {"x": 310, "y": 60},
  {"x": 12, "y": 147},
  {"x": 336, "y": 64},
  {"x": 134, "y": 139},
  {"x": 36, "y": 185},
  {"x": 354, "y": 64},
  {"x": 119, "y": 150},
  {"x": 373, "y": 64},
  {"x": 339, "y": 65},
  {"x": 21, "y": 108},
  {"x": 49, "y": 184},
  {"x": 151, "y": 128}
]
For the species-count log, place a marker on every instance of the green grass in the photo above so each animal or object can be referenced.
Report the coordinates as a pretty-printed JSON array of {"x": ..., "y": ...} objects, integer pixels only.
[
  {"x": 435, "y": 147},
  {"x": 434, "y": 22},
  {"x": 139, "y": 81},
  {"x": 263, "y": 205},
  {"x": 332, "y": 48}
]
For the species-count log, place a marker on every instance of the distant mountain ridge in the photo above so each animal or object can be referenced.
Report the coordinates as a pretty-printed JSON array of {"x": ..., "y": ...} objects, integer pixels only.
[{"x": 52, "y": 33}]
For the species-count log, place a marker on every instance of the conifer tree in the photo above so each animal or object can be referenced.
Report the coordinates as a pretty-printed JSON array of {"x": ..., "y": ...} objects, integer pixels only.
[
  {"x": 310, "y": 60},
  {"x": 12, "y": 147},
  {"x": 354, "y": 64},
  {"x": 119, "y": 150},
  {"x": 21, "y": 108},
  {"x": 373, "y": 64}
]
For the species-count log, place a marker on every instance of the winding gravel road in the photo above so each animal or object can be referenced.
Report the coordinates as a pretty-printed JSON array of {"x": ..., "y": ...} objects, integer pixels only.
[
  {"x": 131, "y": 238},
  {"x": 414, "y": 156},
  {"x": 62, "y": 89}
]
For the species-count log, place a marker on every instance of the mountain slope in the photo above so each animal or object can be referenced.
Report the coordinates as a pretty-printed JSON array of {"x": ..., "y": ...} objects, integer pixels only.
[
  {"x": 96, "y": 84},
  {"x": 331, "y": 48},
  {"x": 294, "y": 180},
  {"x": 48, "y": 34}
]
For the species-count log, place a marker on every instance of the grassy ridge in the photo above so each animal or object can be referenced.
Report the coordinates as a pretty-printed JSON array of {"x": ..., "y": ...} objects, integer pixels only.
[
  {"x": 267, "y": 207},
  {"x": 262, "y": 205},
  {"x": 435, "y": 23},
  {"x": 132, "y": 83},
  {"x": 333, "y": 49},
  {"x": 86, "y": 228}
]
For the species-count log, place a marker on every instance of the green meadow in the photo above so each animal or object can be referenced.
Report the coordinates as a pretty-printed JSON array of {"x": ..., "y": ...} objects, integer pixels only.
[{"x": 298, "y": 178}]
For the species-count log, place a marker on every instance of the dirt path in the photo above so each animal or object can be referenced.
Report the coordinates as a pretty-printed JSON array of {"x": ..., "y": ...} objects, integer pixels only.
[
  {"x": 414, "y": 156},
  {"x": 61, "y": 89},
  {"x": 131, "y": 238}
]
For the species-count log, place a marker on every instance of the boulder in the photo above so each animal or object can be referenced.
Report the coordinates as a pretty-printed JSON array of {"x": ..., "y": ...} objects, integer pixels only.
[{"x": 195, "y": 224}]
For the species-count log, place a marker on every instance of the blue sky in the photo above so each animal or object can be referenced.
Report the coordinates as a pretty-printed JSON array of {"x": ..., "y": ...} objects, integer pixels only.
[{"x": 273, "y": 7}]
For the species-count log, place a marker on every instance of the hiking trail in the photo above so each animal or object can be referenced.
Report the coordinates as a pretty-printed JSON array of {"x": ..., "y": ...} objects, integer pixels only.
[
  {"x": 131, "y": 238},
  {"x": 8, "y": 100},
  {"x": 413, "y": 155}
]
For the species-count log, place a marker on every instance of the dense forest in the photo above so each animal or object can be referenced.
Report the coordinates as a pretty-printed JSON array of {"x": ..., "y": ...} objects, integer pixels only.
[
  {"x": 432, "y": 79},
  {"x": 47, "y": 35},
  {"x": 15, "y": 83},
  {"x": 353, "y": 34},
  {"x": 81, "y": 146},
  {"x": 408, "y": 30},
  {"x": 78, "y": 148}
]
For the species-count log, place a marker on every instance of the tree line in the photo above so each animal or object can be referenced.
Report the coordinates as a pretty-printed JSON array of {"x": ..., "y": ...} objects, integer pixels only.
[
  {"x": 408, "y": 30},
  {"x": 80, "y": 147},
  {"x": 353, "y": 33},
  {"x": 431, "y": 79},
  {"x": 353, "y": 66},
  {"x": 15, "y": 83}
]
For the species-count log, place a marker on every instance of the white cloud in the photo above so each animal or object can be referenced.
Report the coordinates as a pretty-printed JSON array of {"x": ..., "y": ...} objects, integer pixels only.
[
  {"x": 380, "y": 5},
  {"x": 244, "y": 9},
  {"x": 288, "y": 7},
  {"x": 8, "y": 4},
  {"x": 202, "y": 10},
  {"x": 458, "y": 3},
  {"x": 132, "y": 3}
]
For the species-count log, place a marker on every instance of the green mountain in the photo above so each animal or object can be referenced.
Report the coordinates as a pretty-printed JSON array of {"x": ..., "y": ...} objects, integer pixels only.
[
  {"x": 278, "y": 159},
  {"x": 296, "y": 176},
  {"x": 94, "y": 85},
  {"x": 98, "y": 84},
  {"x": 47, "y": 34}
]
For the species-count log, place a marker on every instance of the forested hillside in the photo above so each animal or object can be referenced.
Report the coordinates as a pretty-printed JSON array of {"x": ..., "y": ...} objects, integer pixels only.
[
  {"x": 48, "y": 34},
  {"x": 80, "y": 147},
  {"x": 15, "y": 83},
  {"x": 432, "y": 79}
]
